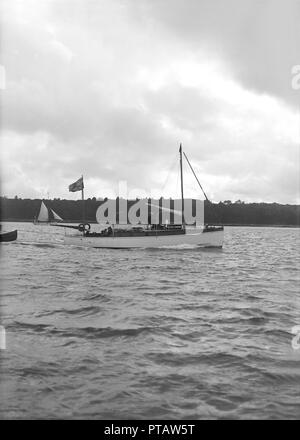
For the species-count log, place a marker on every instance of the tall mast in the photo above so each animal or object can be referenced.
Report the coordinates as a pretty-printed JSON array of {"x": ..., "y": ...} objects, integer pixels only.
[
  {"x": 181, "y": 178},
  {"x": 83, "y": 204}
]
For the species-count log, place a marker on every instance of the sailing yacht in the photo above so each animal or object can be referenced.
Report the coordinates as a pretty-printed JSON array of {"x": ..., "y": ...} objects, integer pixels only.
[
  {"x": 150, "y": 235},
  {"x": 147, "y": 238},
  {"x": 46, "y": 216}
]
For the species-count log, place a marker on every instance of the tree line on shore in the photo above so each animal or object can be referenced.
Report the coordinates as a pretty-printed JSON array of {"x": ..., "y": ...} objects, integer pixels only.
[{"x": 227, "y": 213}]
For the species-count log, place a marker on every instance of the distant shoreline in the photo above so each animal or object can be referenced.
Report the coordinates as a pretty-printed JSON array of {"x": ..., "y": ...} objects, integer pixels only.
[
  {"x": 217, "y": 224},
  {"x": 227, "y": 214}
]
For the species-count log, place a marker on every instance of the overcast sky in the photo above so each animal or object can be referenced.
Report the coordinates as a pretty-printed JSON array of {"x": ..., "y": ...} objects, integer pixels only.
[{"x": 109, "y": 88}]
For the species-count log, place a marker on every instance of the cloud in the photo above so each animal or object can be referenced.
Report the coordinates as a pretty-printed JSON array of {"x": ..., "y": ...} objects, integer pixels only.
[
  {"x": 259, "y": 40},
  {"x": 109, "y": 89}
]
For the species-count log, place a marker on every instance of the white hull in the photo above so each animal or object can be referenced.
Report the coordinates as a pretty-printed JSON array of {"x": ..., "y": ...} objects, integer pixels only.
[{"x": 193, "y": 237}]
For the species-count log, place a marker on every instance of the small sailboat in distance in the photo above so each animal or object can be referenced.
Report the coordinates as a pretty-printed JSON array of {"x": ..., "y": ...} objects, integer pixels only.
[{"x": 47, "y": 215}]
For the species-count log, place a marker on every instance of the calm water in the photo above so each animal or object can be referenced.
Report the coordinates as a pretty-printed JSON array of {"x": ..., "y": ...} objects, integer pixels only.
[{"x": 137, "y": 334}]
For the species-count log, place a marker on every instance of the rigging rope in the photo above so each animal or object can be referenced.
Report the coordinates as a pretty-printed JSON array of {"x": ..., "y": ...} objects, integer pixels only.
[
  {"x": 195, "y": 176},
  {"x": 170, "y": 171}
]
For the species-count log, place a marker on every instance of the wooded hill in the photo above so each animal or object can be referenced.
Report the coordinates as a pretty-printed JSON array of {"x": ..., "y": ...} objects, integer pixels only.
[{"x": 226, "y": 213}]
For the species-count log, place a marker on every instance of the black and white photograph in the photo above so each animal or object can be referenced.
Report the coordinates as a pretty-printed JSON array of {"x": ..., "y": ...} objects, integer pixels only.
[{"x": 150, "y": 212}]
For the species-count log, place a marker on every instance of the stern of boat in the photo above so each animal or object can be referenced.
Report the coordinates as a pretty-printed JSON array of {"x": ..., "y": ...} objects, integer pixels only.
[{"x": 213, "y": 236}]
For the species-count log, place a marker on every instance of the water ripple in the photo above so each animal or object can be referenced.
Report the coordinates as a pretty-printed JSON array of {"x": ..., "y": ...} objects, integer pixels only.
[{"x": 170, "y": 333}]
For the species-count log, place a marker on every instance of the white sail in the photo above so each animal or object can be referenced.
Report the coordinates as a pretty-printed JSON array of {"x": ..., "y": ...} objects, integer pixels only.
[
  {"x": 43, "y": 215},
  {"x": 165, "y": 213},
  {"x": 56, "y": 216}
]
